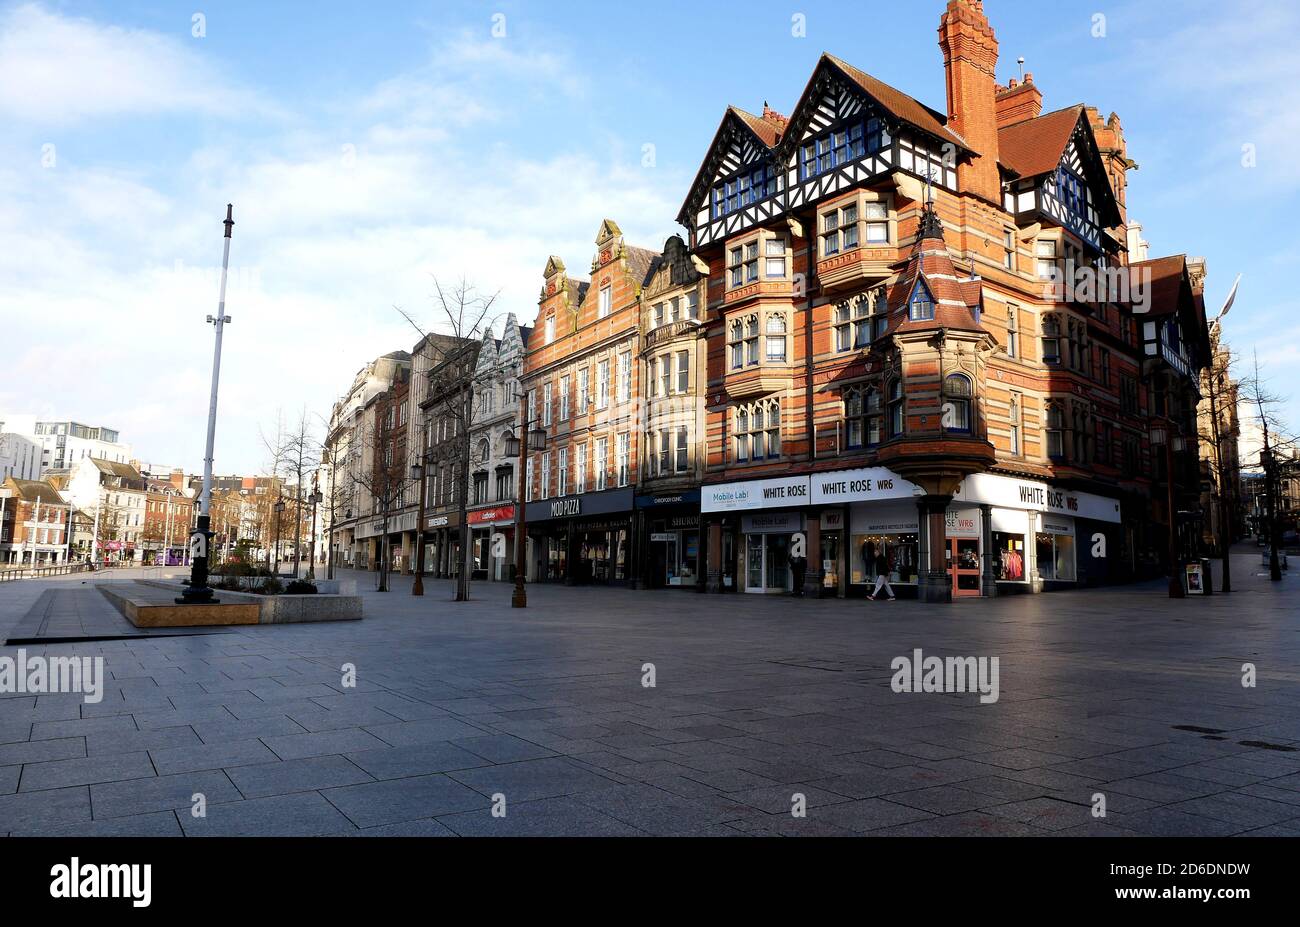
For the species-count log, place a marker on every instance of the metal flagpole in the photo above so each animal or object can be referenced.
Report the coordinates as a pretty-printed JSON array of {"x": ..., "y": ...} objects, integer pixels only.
[{"x": 198, "y": 593}]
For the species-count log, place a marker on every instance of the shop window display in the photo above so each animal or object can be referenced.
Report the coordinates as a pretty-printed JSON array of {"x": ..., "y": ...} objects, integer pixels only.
[
  {"x": 900, "y": 551},
  {"x": 1009, "y": 557},
  {"x": 1055, "y": 556}
]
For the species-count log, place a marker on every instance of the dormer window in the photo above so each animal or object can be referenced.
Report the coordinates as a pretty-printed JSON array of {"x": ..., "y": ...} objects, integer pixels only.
[{"x": 920, "y": 307}]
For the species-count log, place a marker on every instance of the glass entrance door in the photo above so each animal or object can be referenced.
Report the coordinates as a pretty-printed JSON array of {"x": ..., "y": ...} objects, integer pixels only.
[
  {"x": 964, "y": 566},
  {"x": 767, "y": 563}
]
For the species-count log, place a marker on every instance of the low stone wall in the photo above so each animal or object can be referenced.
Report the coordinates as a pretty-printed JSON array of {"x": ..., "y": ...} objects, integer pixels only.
[
  {"x": 147, "y": 609},
  {"x": 288, "y": 609}
]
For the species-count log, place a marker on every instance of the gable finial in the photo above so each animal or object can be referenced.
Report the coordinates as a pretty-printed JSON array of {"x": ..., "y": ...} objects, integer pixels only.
[{"x": 931, "y": 226}]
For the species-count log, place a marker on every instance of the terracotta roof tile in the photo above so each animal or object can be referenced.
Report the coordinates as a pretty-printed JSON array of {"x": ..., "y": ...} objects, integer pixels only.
[
  {"x": 1035, "y": 146},
  {"x": 898, "y": 103}
]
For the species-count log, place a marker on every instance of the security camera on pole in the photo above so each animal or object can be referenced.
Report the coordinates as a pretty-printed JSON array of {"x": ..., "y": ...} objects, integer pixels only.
[{"x": 198, "y": 593}]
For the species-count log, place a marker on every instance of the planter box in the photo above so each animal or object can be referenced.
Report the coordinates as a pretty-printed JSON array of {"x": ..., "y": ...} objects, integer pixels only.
[{"x": 288, "y": 609}]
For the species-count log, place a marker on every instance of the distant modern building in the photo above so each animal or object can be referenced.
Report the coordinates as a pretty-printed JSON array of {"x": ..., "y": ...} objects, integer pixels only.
[
  {"x": 65, "y": 443},
  {"x": 20, "y": 456}
]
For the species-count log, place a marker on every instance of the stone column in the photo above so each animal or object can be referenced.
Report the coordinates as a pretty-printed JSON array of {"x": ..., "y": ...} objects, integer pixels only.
[
  {"x": 988, "y": 578},
  {"x": 932, "y": 581},
  {"x": 713, "y": 583},
  {"x": 812, "y": 581},
  {"x": 1031, "y": 555}
]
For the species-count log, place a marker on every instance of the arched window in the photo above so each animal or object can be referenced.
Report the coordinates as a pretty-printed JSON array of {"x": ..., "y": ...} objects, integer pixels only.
[
  {"x": 1051, "y": 340},
  {"x": 484, "y": 451},
  {"x": 861, "y": 416},
  {"x": 957, "y": 395},
  {"x": 895, "y": 408},
  {"x": 1082, "y": 432},
  {"x": 758, "y": 431},
  {"x": 776, "y": 338},
  {"x": 736, "y": 341},
  {"x": 1055, "y": 432},
  {"x": 1014, "y": 417}
]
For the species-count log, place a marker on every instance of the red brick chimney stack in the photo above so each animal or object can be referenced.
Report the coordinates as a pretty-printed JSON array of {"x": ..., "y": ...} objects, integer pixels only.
[
  {"x": 1017, "y": 102},
  {"x": 970, "y": 56}
]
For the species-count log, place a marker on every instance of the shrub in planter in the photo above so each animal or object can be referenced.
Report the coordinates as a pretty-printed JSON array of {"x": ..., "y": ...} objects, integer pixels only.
[
  {"x": 300, "y": 587},
  {"x": 271, "y": 586}
]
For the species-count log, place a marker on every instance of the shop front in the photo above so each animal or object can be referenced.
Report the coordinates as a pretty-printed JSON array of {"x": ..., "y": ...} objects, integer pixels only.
[
  {"x": 672, "y": 552},
  {"x": 581, "y": 539},
  {"x": 492, "y": 539},
  {"x": 442, "y": 558},
  {"x": 750, "y": 529},
  {"x": 1001, "y": 534}
]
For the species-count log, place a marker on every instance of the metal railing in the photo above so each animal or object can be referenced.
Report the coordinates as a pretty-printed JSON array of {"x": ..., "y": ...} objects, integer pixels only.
[{"x": 8, "y": 574}]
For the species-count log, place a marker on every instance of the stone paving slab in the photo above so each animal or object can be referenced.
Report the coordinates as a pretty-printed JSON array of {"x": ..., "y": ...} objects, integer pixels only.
[{"x": 1119, "y": 691}]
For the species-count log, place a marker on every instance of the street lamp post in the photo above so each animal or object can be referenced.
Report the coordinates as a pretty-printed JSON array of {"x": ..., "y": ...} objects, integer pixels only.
[
  {"x": 1164, "y": 434},
  {"x": 197, "y": 592},
  {"x": 418, "y": 473},
  {"x": 311, "y": 563},
  {"x": 275, "y": 557},
  {"x": 535, "y": 440}
]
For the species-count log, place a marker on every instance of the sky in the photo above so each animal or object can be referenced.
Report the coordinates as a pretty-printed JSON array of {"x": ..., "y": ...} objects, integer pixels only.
[{"x": 370, "y": 149}]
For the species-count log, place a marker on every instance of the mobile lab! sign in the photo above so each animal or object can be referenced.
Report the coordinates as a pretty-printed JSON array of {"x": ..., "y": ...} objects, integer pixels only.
[{"x": 755, "y": 494}]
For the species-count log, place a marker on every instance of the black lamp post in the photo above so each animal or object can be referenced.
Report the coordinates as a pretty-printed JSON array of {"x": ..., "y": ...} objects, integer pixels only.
[
  {"x": 279, "y": 509},
  {"x": 417, "y": 474},
  {"x": 536, "y": 441},
  {"x": 1163, "y": 433},
  {"x": 315, "y": 499}
]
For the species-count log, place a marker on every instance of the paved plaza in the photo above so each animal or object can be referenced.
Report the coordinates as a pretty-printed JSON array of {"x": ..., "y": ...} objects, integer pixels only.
[{"x": 456, "y": 709}]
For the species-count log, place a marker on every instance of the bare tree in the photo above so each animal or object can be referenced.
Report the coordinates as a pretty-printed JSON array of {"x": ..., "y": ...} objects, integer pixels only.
[
  {"x": 1266, "y": 404},
  {"x": 303, "y": 459},
  {"x": 385, "y": 481},
  {"x": 1217, "y": 428},
  {"x": 279, "y": 452},
  {"x": 466, "y": 316}
]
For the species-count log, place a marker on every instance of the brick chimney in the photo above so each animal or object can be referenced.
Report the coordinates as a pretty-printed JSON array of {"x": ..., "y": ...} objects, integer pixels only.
[
  {"x": 775, "y": 119},
  {"x": 1018, "y": 101},
  {"x": 970, "y": 55},
  {"x": 1109, "y": 134}
]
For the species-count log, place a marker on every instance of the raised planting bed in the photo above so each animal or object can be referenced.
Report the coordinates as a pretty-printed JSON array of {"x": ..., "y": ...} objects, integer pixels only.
[
  {"x": 281, "y": 608},
  {"x": 152, "y": 608}
]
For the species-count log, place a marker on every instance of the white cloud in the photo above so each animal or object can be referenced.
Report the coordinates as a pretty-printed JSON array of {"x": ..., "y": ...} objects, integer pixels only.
[
  {"x": 56, "y": 70},
  {"x": 107, "y": 275}
]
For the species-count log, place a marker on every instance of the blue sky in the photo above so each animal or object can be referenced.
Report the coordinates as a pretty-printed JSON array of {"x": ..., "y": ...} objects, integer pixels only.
[{"x": 368, "y": 147}]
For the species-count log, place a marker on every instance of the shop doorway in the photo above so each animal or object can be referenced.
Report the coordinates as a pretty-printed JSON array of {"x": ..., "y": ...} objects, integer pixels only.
[
  {"x": 964, "y": 566},
  {"x": 767, "y": 563}
]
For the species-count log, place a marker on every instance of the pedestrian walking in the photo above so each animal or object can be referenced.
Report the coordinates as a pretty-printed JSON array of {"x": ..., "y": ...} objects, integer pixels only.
[{"x": 882, "y": 578}]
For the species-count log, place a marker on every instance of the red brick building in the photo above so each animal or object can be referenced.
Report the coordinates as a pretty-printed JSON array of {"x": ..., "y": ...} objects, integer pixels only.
[
  {"x": 927, "y": 353},
  {"x": 33, "y": 523},
  {"x": 582, "y": 387}
]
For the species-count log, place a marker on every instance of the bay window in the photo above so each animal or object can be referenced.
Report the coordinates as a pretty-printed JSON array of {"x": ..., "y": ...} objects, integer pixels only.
[{"x": 776, "y": 338}]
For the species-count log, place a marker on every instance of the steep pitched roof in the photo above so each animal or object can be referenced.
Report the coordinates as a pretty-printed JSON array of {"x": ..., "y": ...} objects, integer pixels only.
[
  {"x": 1035, "y": 146},
  {"x": 1165, "y": 280},
  {"x": 763, "y": 132},
  {"x": 642, "y": 263},
  {"x": 114, "y": 468},
  {"x": 956, "y": 300},
  {"x": 899, "y": 104},
  {"x": 34, "y": 490}
]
